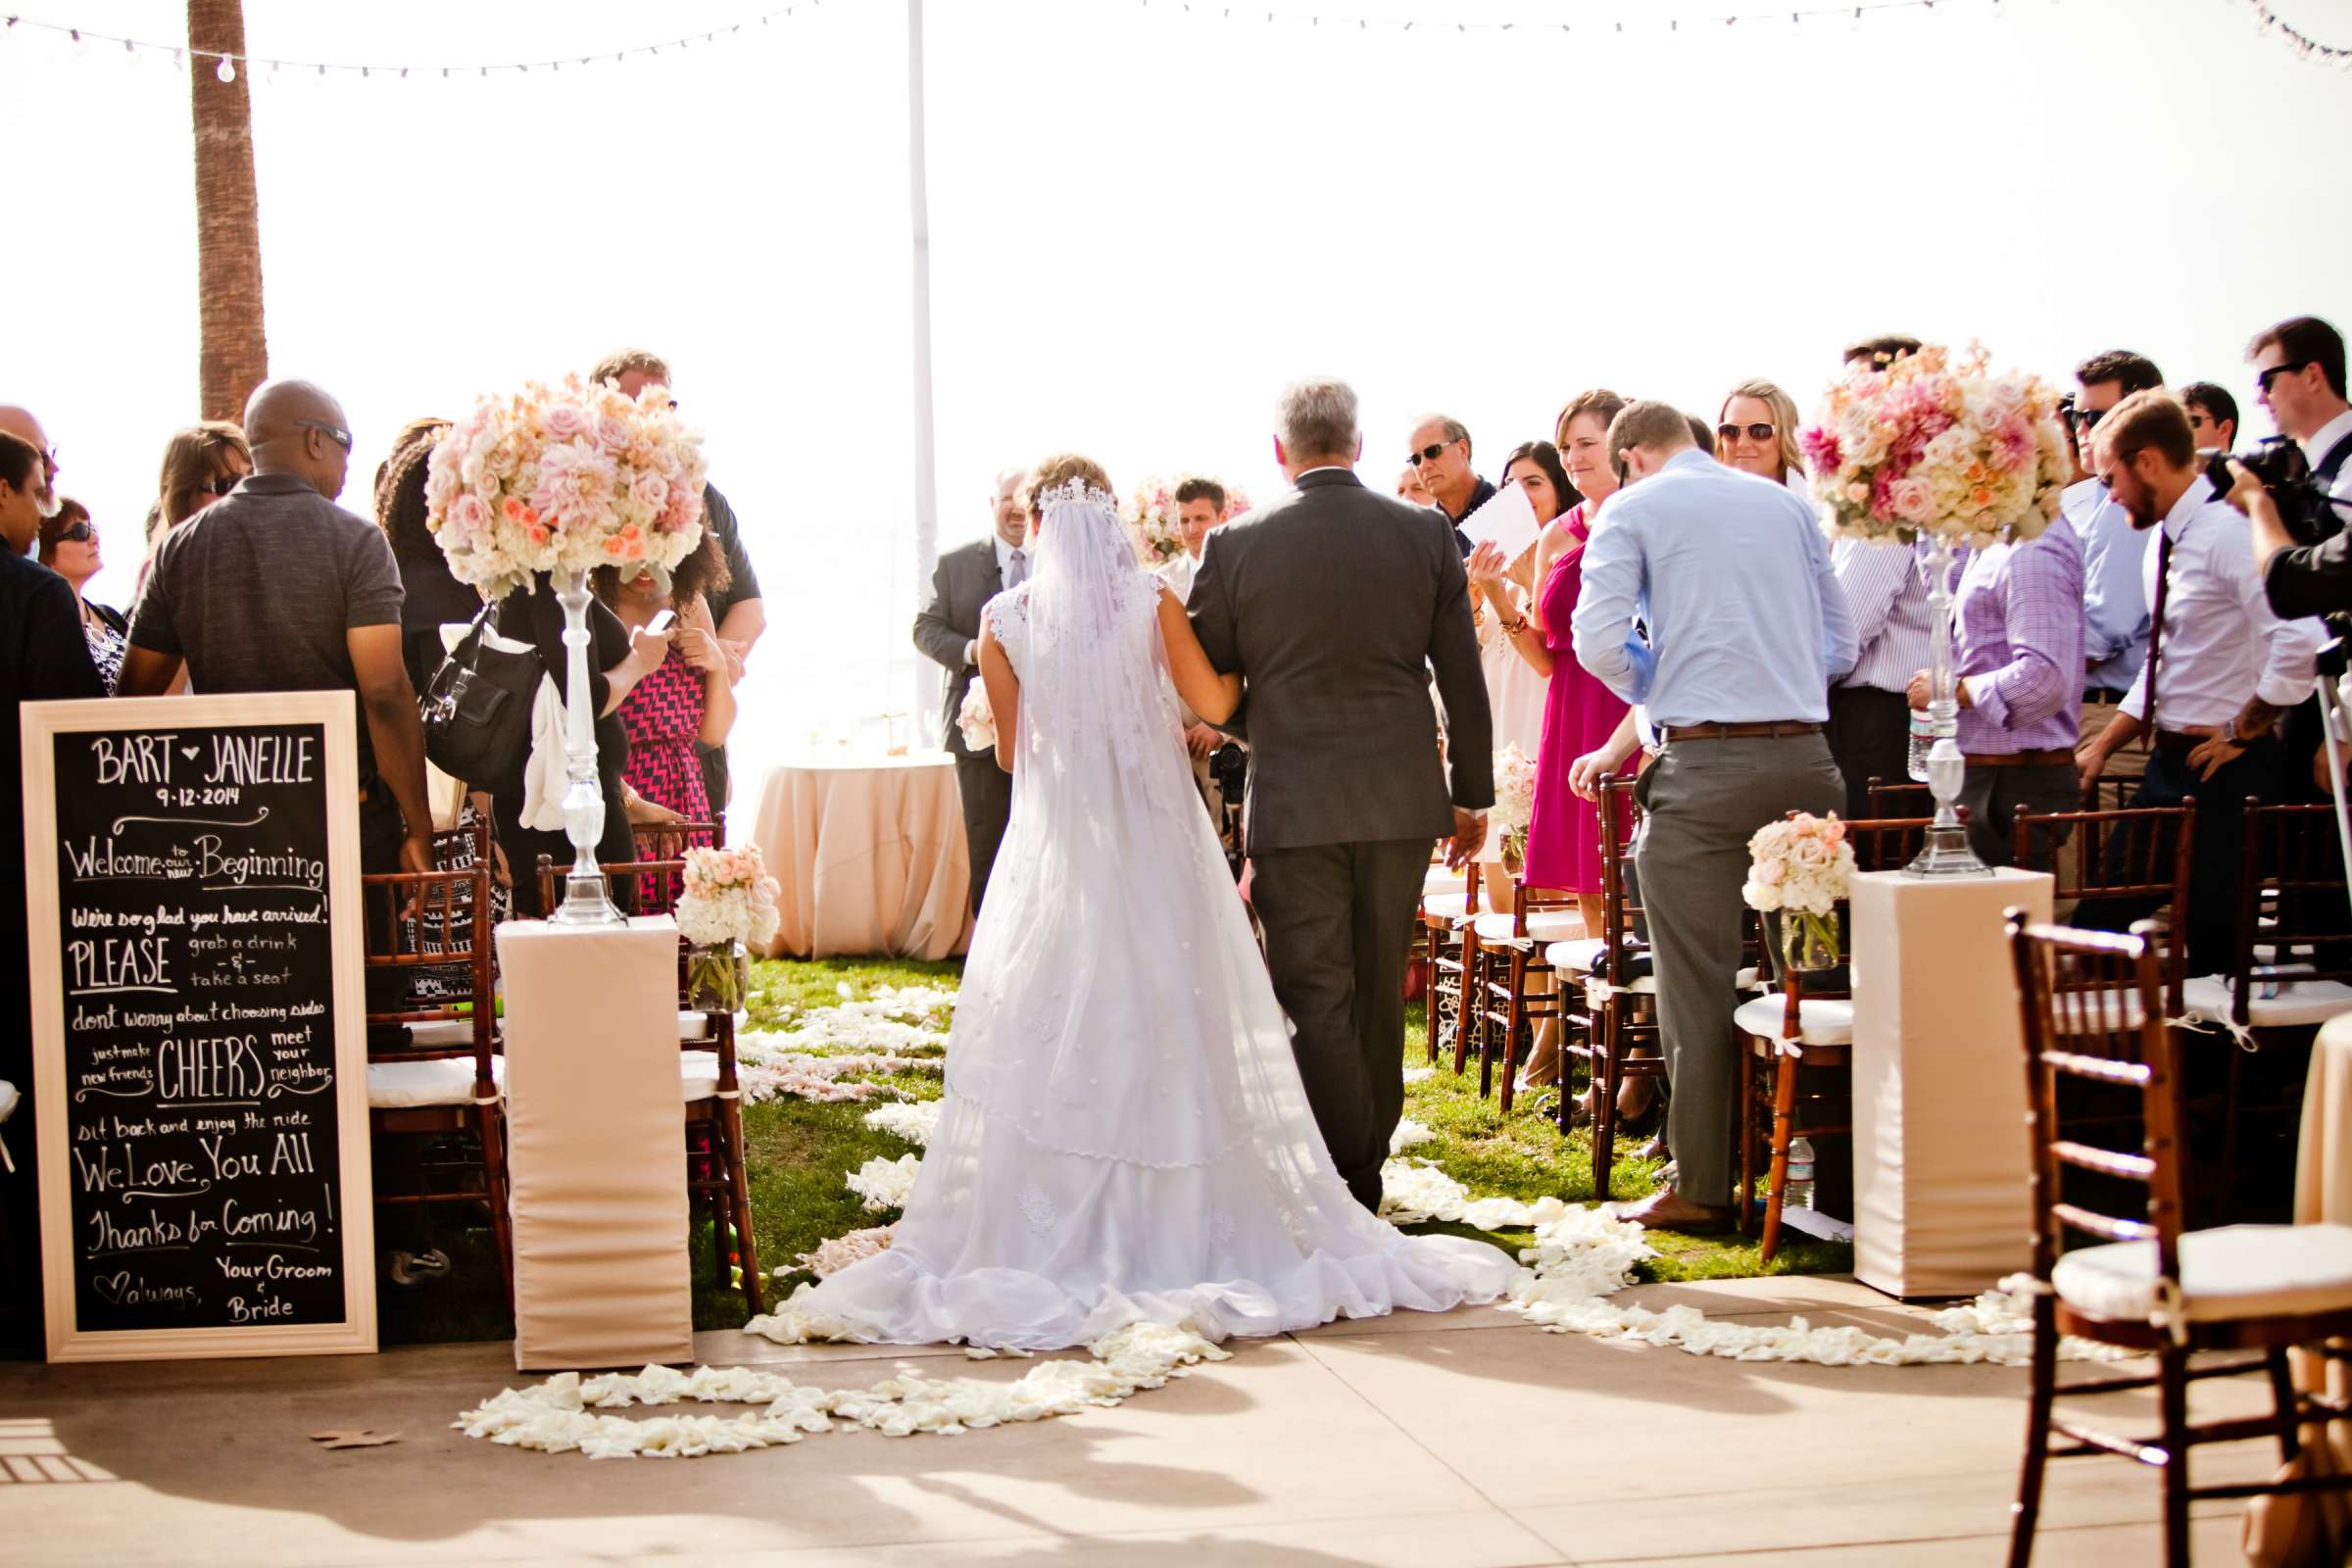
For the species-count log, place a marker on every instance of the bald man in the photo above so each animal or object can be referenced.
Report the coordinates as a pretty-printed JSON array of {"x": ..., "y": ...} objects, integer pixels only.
[
  {"x": 274, "y": 588},
  {"x": 968, "y": 578},
  {"x": 19, "y": 422}
]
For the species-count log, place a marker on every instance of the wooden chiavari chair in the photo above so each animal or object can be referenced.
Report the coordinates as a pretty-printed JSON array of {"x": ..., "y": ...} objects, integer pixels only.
[
  {"x": 716, "y": 1181},
  {"x": 1446, "y": 919},
  {"x": 1618, "y": 997},
  {"x": 2092, "y": 1009},
  {"x": 2139, "y": 856},
  {"x": 432, "y": 1067},
  {"x": 664, "y": 842},
  {"x": 1806, "y": 1033},
  {"x": 1512, "y": 950}
]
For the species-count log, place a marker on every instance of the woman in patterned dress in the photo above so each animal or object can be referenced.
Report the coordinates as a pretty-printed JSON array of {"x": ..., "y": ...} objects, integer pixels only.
[
  {"x": 686, "y": 700},
  {"x": 69, "y": 547}
]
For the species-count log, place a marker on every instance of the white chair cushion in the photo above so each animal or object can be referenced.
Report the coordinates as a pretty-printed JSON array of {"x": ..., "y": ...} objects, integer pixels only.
[
  {"x": 435, "y": 1081},
  {"x": 697, "y": 1074},
  {"x": 2298, "y": 1002},
  {"x": 1543, "y": 925},
  {"x": 8, "y": 1099},
  {"x": 1747, "y": 979},
  {"x": 2237, "y": 1271},
  {"x": 456, "y": 1034},
  {"x": 1441, "y": 880},
  {"x": 1820, "y": 1021},
  {"x": 1446, "y": 905},
  {"x": 1574, "y": 958}
]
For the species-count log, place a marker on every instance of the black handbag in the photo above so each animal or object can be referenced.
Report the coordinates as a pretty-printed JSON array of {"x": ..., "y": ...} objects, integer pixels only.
[{"x": 478, "y": 710}]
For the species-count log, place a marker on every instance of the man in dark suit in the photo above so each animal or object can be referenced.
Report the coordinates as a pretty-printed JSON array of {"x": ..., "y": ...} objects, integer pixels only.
[
  {"x": 949, "y": 630},
  {"x": 1334, "y": 605},
  {"x": 42, "y": 655}
]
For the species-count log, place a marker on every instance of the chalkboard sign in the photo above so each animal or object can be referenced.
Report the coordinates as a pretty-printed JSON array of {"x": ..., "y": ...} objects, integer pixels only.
[{"x": 199, "y": 1026}]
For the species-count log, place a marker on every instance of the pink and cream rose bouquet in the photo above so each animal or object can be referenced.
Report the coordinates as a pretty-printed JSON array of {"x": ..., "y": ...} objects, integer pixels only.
[
  {"x": 564, "y": 478},
  {"x": 1800, "y": 866},
  {"x": 977, "y": 719},
  {"x": 726, "y": 899},
  {"x": 1937, "y": 447},
  {"x": 1150, "y": 518}
]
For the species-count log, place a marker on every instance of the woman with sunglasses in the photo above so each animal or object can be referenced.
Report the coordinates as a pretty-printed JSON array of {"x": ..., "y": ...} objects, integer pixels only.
[
  {"x": 201, "y": 464},
  {"x": 1756, "y": 433},
  {"x": 69, "y": 547}
]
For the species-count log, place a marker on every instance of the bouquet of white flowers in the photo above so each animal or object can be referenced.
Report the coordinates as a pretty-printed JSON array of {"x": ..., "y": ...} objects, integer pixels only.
[
  {"x": 1802, "y": 866},
  {"x": 727, "y": 898},
  {"x": 1151, "y": 526},
  {"x": 976, "y": 719},
  {"x": 1514, "y": 788}
]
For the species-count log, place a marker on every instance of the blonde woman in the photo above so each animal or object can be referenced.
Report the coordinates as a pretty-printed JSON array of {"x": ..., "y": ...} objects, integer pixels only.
[{"x": 1756, "y": 433}]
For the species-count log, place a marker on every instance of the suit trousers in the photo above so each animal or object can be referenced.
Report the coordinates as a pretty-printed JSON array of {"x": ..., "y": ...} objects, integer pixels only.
[
  {"x": 2217, "y": 848},
  {"x": 1869, "y": 737},
  {"x": 1991, "y": 796},
  {"x": 986, "y": 791},
  {"x": 1339, "y": 920},
  {"x": 1702, "y": 800}
]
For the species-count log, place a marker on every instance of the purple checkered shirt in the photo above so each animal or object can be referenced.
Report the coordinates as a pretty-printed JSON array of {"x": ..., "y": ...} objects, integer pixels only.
[{"x": 2019, "y": 630}]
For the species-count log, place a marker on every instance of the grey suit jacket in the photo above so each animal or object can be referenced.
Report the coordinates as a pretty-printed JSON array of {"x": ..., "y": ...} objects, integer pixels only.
[
  {"x": 1334, "y": 605},
  {"x": 966, "y": 578}
]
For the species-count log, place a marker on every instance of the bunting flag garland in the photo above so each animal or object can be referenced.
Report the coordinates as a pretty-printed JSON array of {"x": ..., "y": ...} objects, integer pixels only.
[{"x": 2304, "y": 45}]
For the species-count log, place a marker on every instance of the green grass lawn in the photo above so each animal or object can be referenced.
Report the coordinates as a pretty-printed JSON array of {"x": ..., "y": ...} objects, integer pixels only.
[{"x": 798, "y": 1153}]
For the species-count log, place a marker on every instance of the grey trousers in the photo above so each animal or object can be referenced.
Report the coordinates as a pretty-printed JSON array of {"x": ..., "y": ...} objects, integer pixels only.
[
  {"x": 1339, "y": 918},
  {"x": 987, "y": 793},
  {"x": 1702, "y": 800}
]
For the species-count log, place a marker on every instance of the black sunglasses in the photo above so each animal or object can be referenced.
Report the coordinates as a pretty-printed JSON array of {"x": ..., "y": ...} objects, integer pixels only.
[
  {"x": 1427, "y": 454},
  {"x": 2084, "y": 418},
  {"x": 79, "y": 533},
  {"x": 2265, "y": 378},
  {"x": 333, "y": 433},
  {"x": 222, "y": 484},
  {"x": 1754, "y": 433}
]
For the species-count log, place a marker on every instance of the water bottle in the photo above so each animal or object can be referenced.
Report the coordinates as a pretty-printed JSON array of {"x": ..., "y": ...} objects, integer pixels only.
[
  {"x": 1798, "y": 1192},
  {"x": 1923, "y": 739}
]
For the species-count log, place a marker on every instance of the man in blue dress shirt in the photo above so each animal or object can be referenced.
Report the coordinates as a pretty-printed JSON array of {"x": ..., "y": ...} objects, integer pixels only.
[{"x": 1746, "y": 628}]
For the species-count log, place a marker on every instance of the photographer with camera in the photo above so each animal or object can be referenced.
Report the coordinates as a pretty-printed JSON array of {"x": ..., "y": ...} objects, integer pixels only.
[
  {"x": 2221, "y": 665},
  {"x": 2300, "y": 497}
]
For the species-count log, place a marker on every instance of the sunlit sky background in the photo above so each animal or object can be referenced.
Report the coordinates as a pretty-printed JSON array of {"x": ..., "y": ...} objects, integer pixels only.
[{"x": 1144, "y": 222}]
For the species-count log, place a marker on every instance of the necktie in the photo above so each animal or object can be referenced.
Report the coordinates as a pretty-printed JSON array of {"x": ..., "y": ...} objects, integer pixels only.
[
  {"x": 1018, "y": 572},
  {"x": 2164, "y": 581}
]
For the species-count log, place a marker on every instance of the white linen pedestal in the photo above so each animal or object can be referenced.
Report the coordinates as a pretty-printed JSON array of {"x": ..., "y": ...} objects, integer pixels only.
[
  {"x": 596, "y": 1150},
  {"x": 1939, "y": 1082}
]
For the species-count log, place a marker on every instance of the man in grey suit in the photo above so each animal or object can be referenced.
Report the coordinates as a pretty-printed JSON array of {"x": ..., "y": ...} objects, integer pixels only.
[
  {"x": 949, "y": 630},
  {"x": 1334, "y": 605}
]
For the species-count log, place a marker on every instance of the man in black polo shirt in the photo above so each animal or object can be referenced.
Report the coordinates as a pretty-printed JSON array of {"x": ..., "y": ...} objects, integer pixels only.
[
  {"x": 736, "y": 609},
  {"x": 1441, "y": 455},
  {"x": 274, "y": 588}
]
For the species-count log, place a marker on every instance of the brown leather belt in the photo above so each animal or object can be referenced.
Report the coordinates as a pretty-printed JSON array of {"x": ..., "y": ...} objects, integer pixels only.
[
  {"x": 2048, "y": 756},
  {"x": 1765, "y": 730},
  {"x": 2171, "y": 741}
]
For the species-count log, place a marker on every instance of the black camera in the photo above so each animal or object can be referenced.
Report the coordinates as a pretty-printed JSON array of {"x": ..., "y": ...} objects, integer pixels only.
[{"x": 2304, "y": 508}]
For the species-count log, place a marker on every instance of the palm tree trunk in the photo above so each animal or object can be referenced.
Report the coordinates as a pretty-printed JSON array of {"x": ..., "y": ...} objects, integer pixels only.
[{"x": 235, "y": 354}]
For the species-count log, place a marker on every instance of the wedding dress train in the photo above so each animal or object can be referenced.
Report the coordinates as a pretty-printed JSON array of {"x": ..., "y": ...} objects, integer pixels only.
[{"x": 1124, "y": 1135}]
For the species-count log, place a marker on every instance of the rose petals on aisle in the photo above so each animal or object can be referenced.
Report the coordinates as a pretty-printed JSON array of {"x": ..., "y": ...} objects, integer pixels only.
[{"x": 885, "y": 1183}]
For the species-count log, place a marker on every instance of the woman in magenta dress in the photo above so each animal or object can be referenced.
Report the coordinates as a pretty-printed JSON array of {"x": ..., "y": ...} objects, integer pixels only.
[{"x": 686, "y": 699}]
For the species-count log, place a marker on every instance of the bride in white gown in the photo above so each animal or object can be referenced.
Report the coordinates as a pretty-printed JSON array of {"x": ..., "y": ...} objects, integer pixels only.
[{"x": 1124, "y": 1136}]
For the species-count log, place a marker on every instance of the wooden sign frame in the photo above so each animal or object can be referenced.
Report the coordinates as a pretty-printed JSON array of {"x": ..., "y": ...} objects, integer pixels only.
[{"x": 337, "y": 713}]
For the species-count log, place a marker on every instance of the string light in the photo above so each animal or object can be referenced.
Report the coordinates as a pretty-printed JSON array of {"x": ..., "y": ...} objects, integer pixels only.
[
  {"x": 228, "y": 64},
  {"x": 1669, "y": 26}
]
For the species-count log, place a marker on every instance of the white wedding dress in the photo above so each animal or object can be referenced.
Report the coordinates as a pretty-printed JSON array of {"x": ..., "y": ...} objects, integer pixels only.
[{"x": 1124, "y": 1136}]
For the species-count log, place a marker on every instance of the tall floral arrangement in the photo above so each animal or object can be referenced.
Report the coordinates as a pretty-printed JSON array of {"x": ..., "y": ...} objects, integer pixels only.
[
  {"x": 1937, "y": 446},
  {"x": 564, "y": 478},
  {"x": 726, "y": 899},
  {"x": 1236, "y": 502},
  {"x": 1150, "y": 518}
]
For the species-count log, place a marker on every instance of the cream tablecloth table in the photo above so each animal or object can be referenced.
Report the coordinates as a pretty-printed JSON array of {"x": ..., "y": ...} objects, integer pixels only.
[
  {"x": 1941, "y": 1200},
  {"x": 596, "y": 1147},
  {"x": 870, "y": 857}
]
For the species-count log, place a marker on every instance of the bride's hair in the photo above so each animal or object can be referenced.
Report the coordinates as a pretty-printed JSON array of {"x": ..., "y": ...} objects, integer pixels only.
[{"x": 1053, "y": 473}]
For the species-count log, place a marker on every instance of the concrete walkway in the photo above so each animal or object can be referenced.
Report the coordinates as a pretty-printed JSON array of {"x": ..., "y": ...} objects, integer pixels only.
[{"x": 1466, "y": 1441}]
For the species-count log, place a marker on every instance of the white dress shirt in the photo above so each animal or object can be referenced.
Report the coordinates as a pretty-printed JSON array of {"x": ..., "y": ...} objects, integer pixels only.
[
  {"x": 2115, "y": 633},
  {"x": 1894, "y": 624},
  {"x": 2221, "y": 644}
]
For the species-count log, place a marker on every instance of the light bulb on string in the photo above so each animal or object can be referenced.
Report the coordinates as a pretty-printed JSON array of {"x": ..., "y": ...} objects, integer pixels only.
[{"x": 226, "y": 69}]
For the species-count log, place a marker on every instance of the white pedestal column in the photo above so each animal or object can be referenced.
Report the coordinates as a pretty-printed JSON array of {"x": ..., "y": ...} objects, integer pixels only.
[
  {"x": 1939, "y": 1082},
  {"x": 596, "y": 1145}
]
